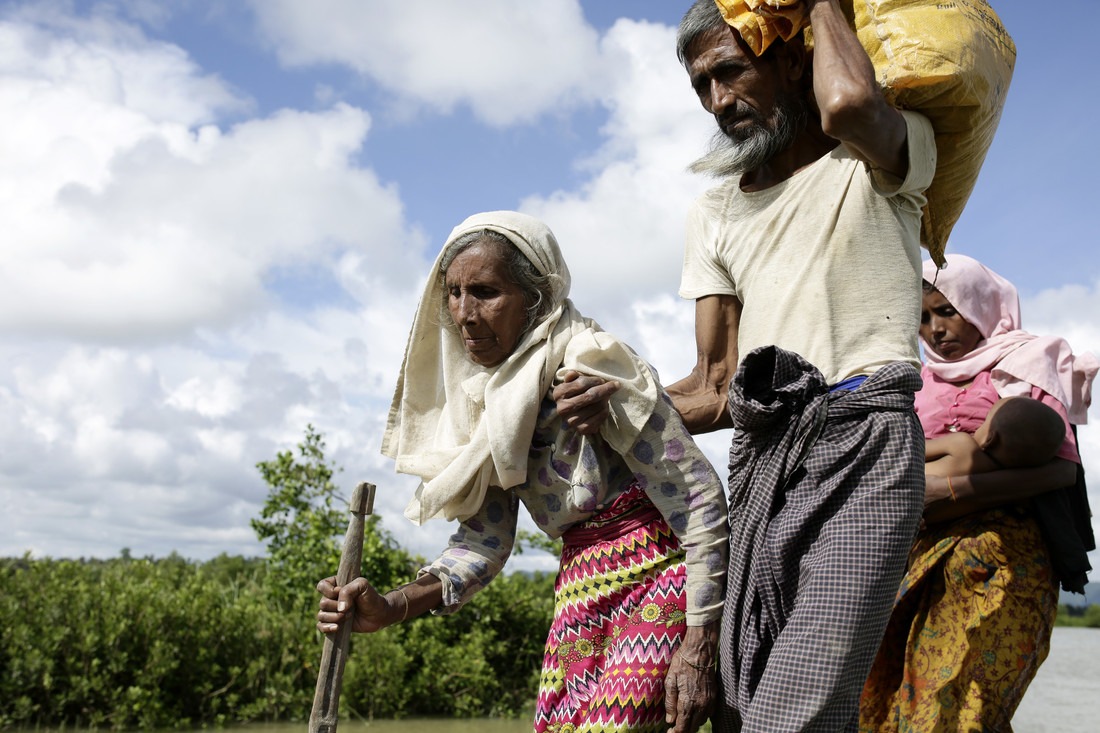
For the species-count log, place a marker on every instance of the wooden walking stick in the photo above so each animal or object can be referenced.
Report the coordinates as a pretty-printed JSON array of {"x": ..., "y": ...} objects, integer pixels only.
[{"x": 326, "y": 699}]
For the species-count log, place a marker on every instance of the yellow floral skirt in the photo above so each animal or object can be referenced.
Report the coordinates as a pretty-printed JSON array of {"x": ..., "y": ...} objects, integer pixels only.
[{"x": 970, "y": 627}]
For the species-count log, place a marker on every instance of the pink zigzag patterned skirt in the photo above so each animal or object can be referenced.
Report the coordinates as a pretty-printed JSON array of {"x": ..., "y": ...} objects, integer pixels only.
[{"x": 619, "y": 604}]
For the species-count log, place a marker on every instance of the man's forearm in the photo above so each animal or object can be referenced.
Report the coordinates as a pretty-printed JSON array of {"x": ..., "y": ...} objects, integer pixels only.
[
  {"x": 701, "y": 397},
  {"x": 704, "y": 407}
]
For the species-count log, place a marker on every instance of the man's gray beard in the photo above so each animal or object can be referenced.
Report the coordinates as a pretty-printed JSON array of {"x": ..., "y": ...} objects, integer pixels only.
[{"x": 728, "y": 157}]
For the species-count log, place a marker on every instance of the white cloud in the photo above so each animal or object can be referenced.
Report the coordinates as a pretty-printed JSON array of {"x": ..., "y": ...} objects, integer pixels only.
[
  {"x": 1069, "y": 311},
  {"x": 180, "y": 238},
  {"x": 153, "y": 348},
  {"x": 171, "y": 436},
  {"x": 128, "y": 215},
  {"x": 507, "y": 61},
  {"x": 622, "y": 233}
]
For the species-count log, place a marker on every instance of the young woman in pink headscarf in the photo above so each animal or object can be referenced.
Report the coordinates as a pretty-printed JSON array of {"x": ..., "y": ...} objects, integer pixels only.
[{"x": 973, "y": 617}]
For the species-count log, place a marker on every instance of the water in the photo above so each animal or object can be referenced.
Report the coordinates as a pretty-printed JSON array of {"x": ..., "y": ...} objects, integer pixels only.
[{"x": 1065, "y": 694}]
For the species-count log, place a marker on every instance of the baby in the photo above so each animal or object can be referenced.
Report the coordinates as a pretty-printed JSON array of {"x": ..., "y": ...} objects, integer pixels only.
[{"x": 1018, "y": 432}]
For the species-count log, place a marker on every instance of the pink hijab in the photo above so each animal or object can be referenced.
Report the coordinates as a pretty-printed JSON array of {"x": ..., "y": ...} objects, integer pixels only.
[{"x": 1016, "y": 359}]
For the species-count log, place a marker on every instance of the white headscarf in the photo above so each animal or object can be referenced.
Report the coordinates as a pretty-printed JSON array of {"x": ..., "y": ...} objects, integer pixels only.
[{"x": 462, "y": 427}]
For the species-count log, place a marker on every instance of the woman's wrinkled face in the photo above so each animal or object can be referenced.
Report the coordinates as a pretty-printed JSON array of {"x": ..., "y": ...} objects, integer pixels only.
[
  {"x": 945, "y": 331},
  {"x": 486, "y": 306}
]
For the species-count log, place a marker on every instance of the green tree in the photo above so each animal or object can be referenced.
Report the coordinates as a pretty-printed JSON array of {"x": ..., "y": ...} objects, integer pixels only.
[
  {"x": 300, "y": 522},
  {"x": 303, "y": 523},
  {"x": 537, "y": 542}
]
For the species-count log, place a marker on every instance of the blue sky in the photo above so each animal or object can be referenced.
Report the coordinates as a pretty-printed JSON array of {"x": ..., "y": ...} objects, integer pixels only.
[{"x": 218, "y": 215}]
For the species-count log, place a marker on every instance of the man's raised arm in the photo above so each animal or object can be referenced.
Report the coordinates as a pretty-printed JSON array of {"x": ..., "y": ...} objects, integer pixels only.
[{"x": 852, "y": 106}]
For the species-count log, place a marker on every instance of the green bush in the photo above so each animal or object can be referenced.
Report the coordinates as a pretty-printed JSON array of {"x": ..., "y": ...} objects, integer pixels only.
[
  {"x": 485, "y": 659},
  {"x": 166, "y": 643},
  {"x": 1087, "y": 616},
  {"x": 141, "y": 644},
  {"x": 151, "y": 643}
]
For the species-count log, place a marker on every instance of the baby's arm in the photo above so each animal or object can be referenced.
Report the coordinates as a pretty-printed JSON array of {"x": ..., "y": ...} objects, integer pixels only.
[
  {"x": 956, "y": 454},
  {"x": 952, "y": 444}
]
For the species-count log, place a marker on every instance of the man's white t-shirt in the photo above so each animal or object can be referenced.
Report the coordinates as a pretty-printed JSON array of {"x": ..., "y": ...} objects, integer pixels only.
[{"x": 826, "y": 263}]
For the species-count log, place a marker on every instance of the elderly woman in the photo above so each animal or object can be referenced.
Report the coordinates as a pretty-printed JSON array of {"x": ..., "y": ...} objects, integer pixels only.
[
  {"x": 640, "y": 511},
  {"x": 973, "y": 616}
]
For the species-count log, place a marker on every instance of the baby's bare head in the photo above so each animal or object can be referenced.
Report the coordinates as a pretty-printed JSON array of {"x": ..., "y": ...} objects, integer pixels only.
[{"x": 1020, "y": 432}]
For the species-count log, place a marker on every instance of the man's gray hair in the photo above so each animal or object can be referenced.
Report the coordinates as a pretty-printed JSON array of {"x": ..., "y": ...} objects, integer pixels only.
[
  {"x": 538, "y": 289},
  {"x": 702, "y": 17}
]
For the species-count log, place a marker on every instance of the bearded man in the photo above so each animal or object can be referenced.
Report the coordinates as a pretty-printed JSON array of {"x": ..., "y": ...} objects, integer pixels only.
[{"x": 804, "y": 265}]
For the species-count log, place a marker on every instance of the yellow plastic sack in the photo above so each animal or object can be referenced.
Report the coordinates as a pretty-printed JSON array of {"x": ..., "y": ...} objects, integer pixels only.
[{"x": 951, "y": 61}]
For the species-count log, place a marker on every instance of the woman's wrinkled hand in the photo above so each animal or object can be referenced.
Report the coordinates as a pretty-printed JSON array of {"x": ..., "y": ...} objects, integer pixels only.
[
  {"x": 691, "y": 685},
  {"x": 689, "y": 695},
  {"x": 371, "y": 609},
  {"x": 582, "y": 401}
]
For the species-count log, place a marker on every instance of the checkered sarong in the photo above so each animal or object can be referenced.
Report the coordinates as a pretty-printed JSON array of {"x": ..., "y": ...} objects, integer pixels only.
[{"x": 826, "y": 490}]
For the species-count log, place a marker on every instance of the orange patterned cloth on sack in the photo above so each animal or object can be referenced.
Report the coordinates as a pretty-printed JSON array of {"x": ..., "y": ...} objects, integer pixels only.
[{"x": 760, "y": 22}]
